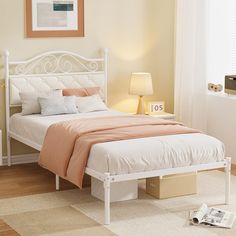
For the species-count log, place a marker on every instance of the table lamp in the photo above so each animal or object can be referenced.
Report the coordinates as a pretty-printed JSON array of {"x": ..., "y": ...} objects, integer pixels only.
[{"x": 141, "y": 85}]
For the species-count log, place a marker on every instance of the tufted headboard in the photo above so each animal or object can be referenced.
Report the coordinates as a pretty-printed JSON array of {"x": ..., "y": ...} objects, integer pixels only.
[
  {"x": 54, "y": 70},
  {"x": 46, "y": 83}
]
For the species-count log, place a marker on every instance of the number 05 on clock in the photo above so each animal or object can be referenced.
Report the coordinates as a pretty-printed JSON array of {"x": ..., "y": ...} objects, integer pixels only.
[{"x": 156, "y": 107}]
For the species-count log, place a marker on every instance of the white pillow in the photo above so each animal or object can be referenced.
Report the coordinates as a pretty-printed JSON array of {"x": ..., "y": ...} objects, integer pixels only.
[
  {"x": 30, "y": 103},
  {"x": 90, "y": 103},
  {"x": 57, "y": 105}
]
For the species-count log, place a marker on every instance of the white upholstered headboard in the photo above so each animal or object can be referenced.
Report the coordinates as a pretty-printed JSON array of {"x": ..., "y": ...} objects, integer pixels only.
[
  {"x": 54, "y": 70},
  {"x": 46, "y": 83}
]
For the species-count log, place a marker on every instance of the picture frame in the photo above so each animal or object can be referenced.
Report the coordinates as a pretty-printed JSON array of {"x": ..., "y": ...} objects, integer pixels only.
[
  {"x": 54, "y": 18},
  {"x": 155, "y": 108}
]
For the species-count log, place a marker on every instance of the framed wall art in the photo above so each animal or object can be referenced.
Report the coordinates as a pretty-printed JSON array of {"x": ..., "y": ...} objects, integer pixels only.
[{"x": 54, "y": 18}]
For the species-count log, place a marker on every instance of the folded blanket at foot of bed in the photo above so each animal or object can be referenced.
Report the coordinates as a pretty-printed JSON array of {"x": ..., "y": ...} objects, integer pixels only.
[{"x": 67, "y": 144}]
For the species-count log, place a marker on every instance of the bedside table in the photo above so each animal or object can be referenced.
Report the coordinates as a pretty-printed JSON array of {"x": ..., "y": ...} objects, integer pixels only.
[{"x": 164, "y": 115}]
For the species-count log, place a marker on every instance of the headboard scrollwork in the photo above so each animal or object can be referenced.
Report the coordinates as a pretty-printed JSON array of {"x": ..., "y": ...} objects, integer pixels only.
[{"x": 56, "y": 62}]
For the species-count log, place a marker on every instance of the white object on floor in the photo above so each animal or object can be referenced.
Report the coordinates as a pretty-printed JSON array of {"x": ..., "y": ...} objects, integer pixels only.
[{"x": 120, "y": 191}]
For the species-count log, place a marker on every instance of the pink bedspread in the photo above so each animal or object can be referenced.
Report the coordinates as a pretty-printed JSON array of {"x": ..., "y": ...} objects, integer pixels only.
[{"x": 67, "y": 144}]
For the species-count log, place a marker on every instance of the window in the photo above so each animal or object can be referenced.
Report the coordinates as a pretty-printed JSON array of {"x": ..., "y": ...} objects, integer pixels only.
[{"x": 221, "y": 40}]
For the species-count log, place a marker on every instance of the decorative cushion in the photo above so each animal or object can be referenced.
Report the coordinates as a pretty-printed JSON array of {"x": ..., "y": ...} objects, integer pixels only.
[
  {"x": 90, "y": 103},
  {"x": 57, "y": 105},
  {"x": 29, "y": 100},
  {"x": 81, "y": 92}
]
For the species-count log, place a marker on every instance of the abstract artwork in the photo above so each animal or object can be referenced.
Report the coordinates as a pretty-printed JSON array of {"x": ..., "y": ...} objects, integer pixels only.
[{"x": 54, "y": 18}]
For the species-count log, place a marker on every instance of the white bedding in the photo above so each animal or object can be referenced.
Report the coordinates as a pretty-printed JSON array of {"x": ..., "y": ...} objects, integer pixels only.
[
  {"x": 128, "y": 156},
  {"x": 34, "y": 127}
]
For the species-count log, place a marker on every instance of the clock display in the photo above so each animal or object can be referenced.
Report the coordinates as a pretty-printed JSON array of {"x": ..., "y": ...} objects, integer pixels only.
[{"x": 156, "y": 107}]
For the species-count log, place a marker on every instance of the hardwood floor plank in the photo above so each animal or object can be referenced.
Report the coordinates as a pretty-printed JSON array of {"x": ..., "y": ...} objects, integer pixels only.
[
  {"x": 6, "y": 230},
  {"x": 27, "y": 179}
]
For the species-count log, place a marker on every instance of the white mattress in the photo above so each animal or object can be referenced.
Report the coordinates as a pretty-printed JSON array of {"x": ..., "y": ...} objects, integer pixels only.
[
  {"x": 34, "y": 127},
  {"x": 129, "y": 156}
]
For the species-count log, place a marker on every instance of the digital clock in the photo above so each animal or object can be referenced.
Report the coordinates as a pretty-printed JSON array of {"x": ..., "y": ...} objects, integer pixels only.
[{"x": 156, "y": 107}]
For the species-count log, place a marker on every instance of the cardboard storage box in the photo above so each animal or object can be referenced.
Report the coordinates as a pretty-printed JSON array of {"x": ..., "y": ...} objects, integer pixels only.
[
  {"x": 172, "y": 185},
  {"x": 120, "y": 191}
]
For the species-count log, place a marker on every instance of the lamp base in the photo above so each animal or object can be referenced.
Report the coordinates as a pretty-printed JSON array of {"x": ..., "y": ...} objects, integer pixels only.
[{"x": 141, "y": 107}]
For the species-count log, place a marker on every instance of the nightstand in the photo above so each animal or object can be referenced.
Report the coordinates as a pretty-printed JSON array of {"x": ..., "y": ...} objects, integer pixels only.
[
  {"x": 164, "y": 115},
  {"x": 0, "y": 147}
]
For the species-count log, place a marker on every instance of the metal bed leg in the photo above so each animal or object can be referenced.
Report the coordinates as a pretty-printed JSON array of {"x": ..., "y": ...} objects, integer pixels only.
[
  {"x": 227, "y": 180},
  {"x": 8, "y": 151},
  {"x": 57, "y": 182},
  {"x": 107, "y": 184}
]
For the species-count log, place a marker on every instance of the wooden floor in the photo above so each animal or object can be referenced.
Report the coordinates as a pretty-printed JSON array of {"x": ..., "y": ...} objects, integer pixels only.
[
  {"x": 6, "y": 230},
  {"x": 28, "y": 179}
]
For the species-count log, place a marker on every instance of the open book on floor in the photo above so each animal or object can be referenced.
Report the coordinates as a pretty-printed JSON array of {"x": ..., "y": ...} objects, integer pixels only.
[{"x": 213, "y": 216}]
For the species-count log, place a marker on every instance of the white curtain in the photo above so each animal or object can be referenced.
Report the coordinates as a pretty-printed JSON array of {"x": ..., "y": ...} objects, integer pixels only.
[{"x": 191, "y": 62}]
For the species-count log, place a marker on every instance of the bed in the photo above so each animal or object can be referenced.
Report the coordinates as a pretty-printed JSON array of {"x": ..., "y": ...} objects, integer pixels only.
[
  {"x": 127, "y": 156},
  {"x": 110, "y": 162}
]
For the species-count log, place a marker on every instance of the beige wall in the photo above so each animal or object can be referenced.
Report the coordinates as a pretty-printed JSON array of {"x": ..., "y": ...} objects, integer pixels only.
[{"x": 138, "y": 33}]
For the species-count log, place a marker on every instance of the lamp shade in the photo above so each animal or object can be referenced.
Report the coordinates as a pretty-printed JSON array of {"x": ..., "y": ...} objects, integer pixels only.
[{"x": 141, "y": 84}]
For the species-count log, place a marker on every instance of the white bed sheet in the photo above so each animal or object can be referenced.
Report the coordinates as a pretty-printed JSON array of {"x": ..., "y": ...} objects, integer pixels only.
[
  {"x": 34, "y": 127},
  {"x": 129, "y": 156}
]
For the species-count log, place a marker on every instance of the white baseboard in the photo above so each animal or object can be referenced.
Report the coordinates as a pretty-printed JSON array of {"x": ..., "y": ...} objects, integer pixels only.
[{"x": 21, "y": 159}]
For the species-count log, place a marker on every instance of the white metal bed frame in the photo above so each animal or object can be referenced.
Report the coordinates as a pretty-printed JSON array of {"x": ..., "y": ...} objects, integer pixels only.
[{"x": 106, "y": 178}]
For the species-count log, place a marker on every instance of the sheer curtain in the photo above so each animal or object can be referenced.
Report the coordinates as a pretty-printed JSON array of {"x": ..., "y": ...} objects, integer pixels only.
[{"x": 191, "y": 62}]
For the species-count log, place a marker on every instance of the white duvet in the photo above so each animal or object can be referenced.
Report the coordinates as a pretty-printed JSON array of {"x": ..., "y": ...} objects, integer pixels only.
[{"x": 128, "y": 156}]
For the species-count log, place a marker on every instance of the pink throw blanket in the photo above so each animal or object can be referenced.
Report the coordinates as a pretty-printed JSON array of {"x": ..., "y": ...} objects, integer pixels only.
[{"x": 67, "y": 144}]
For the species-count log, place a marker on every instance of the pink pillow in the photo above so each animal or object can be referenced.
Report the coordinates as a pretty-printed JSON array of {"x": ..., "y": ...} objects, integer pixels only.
[{"x": 81, "y": 92}]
